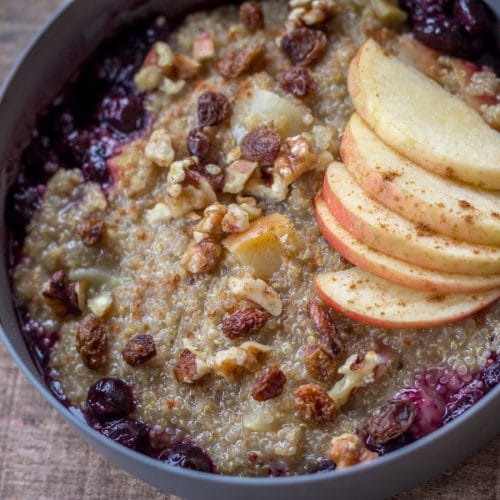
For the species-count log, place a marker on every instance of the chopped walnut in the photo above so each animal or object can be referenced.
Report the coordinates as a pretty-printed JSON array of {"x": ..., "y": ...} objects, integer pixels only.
[
  {"x": 325, "y": 328},
  {"x": 201, "y": 257},
  {"x": 314, "y": 403},
  {"x": 251, "y": 16},
  {"x": 212, "y": 219},
  {"x": 298, "y": 81},
  {"x": 304, "y": 46},
  {"x": 253, "y": 211},
  {"x": 347, "y": 450},
  {"x": 148, "y": 78},
  {"x": 91, "y": 342},
  {"x": 258, "y": 291},
  {"x": 213, "y": 108},
  {"x": 160, "y": 55},
  {"x": 357, "y": 373},
  {"x": 198, "y": 143},
  {"x": 139, "y": 350},
  {"x": 90, "y": 231},
  {"x": 236, "y": 219},
  {"x": 186, "y": 67},
  {"x": 392, "y": 421},
  {"x": 269, "y": 384},
  {"x": 172, "y": 87},
  {"x": 100, "y": 304},
  {"x": 190, "y": 367},
  {"x": 238, "y": 62},
  {"x": 159, "y": 213},
  {"x": 159, "y": 148},
  {"x": 262, "y": 144},
  {"x": 310, "y": 12},
  {"x": 177, "y": 175},
  {"x": 237, "y": 175},
  {"x": 233, "y": 361},
  {"x": 204, "y": 46},
  {"x": 243, "y": 323},
  {"x": 65, "y": 297},
  {"x": 319, "y": 363}
]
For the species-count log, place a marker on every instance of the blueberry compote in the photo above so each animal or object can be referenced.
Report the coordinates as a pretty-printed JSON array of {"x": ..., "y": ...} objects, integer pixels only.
[
  {"x": 460, "y": 28},
  {"x": 86, "y": 125}
]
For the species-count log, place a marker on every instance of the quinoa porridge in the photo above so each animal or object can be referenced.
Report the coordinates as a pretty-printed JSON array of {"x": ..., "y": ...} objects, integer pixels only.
[{"x": 184, "y": 262}]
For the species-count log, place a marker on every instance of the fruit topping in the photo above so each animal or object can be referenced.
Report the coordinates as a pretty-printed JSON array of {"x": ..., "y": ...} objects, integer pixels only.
[
  {"x": 304, "y": 46},
  {"x": 139, "y": 349},
  {"x": 91, "y": 342},
  {"x": 131, "y": 433},
  {"x": 213, "y": 108},
  {"x": 109, "y": 399},
  {"x": 268, "y": 384},
  {"x": 244, "y": 322},
  {"x": 187, "y": 456}
]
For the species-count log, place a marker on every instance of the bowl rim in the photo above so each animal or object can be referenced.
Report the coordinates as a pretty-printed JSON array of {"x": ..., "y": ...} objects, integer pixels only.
[{"x": 383, "y": 462}]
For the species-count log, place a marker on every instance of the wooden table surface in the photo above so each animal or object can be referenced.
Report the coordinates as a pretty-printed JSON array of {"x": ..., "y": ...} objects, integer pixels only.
[{"x": 41, "y": 457}]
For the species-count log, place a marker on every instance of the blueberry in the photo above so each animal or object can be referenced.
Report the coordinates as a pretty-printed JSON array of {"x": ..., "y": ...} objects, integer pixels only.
[
  {"x": 471, "y": 15},
  {"x": 324, "y": 465},
  {"x": 123, "y": 113},
  {"x": 187, "y": 456},
  {"x": 109, "y": 399},
  {"x": 464, "y": 399},
  {"x": 491, "y": 373},
  {"x": 131, "y": 433}
]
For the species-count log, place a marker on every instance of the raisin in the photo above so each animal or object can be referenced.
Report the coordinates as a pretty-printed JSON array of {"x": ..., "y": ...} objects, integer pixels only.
[
  {"x": 262, "y": 144},
  {"x": 213, "y": 108},
  {"x": 314, "y": 403},
  {"x": 62, "y": 294},
  {"x": 90, "y": 231},
  {"x": 139, "y": 349},
  {"x": 243, "y": 323},
  {"x": 186, "y": 369},
  {"x": 297, "y": 81},
  {"x": 269, "y": 384},
  {"x": 304, "y": 46},
  {"x": 392, "y": 421},
  {"x": 251, "y": 16},
  {"x": 238, "y": 62},
  {"x": 91, "y": 342},
  {"x": 325, "y": 328},
  {"x": 319, "y": 363},
  {"x": 198, "y": 143}
]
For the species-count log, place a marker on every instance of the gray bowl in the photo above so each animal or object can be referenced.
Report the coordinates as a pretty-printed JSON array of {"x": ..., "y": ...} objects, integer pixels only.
[{"x": 44, "y": 67}]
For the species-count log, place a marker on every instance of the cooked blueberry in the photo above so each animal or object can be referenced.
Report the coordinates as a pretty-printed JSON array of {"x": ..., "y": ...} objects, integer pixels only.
[
  {"x": 464, "y": 399},
  {"x": 22, "y": 203},
  {"x": 324, "y": 465},
  {"x": 471, "y": 15},
  {"x": 491, "y": 373},
  {"x": 123, "y": 113},
  {"x": 109, "y": 399},
  {"x": 131, "y": 433},
  {"x": 187, "y": 456}
]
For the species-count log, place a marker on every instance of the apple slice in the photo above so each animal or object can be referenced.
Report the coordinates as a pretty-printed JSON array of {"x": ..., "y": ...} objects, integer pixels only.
[
  {"x": 386, "y": 231},
  {"x": 451, "y": 208},
  {"x": 364, "y": 297},
  {"x": 395, "y": 270},
  {"x": 422, "y": 121}
]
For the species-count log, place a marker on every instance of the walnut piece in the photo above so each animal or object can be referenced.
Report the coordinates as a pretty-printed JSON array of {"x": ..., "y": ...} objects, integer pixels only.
[
  {"x": 159, "y": 148},
  {"x": 201, "y": 257},
  {"x": 258, "y": 291},
  {"x": 243, "y": 323},
  {"x": 237, "y": 175},
  {"x": 238, "y": 62},
  {"x": 357, "y": 373},
  {"x": 269, "y": 384},
  {"x": 251, "y": 16},
  {"x": 233, "y": 361},
  {"x": 91, "y": 342},
  {"x": 100, "y": 304},
  {"x": 190, "y": 367},
  {"x": 65, "y": 297},
  {"x": 348, "y": 449},
  {"x": 204, "y": 46},
  {"x": 236, "y": 219},
  {"x": 211, "y": 220},
  {"x": 314, "y": 403},
  {"x": 139, "y": 349},
  {"x": 90, "y": 231}
]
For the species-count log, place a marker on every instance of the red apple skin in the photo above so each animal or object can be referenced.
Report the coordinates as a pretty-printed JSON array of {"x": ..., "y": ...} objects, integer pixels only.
[
  {"x": 433, "y": 282},
  {"x": 394, "y": 324}
]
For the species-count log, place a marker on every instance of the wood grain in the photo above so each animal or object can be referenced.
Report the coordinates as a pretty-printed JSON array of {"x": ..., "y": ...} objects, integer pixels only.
[{"x": 41, "y": 457}]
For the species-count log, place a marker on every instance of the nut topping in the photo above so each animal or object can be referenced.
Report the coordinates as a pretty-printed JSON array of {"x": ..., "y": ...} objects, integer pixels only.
[
  {"x": 198, "y": 143},
  {"x": 304, "y": 46},
  {"x": 325, "y": 328},
  {"x": 298, "y": 81},
  {"x": 236, "y": 219},
  {"x": 262, "y": 144},
  {"x": 190, "y": 367},
  {"x": 314, "y": 403},
  {"x": 237, "y": 175},
  {"x": 159, "y": 148},
  {"x": 238, "y": 62},
  {"x": 90, "y": 231},
  {"x": 347, "y": 450},
  {"x": 201, "y": 257},
  {"x": 213, "y": 108},
  {"x": 91, "y": 342},
  {"x": 244, "y": 323},
  {"x": 251, "y": 16},
  {"x": 139, "y": 349},
  {"x": 392, "y": 421},
  {"x": 257, "y": 291},
  {"x": 62, "y": 294},
  {"x": 269, "y": 384}
]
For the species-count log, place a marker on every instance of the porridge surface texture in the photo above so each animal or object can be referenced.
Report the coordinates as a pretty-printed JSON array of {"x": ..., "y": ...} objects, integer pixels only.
[{"x": 139, "y": 264}]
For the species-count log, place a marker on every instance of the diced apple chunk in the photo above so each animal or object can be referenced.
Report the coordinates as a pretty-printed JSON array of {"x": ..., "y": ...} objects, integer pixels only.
[
  {"x": 262, "y": 246},
  {"x": 363, "y": 297}
]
